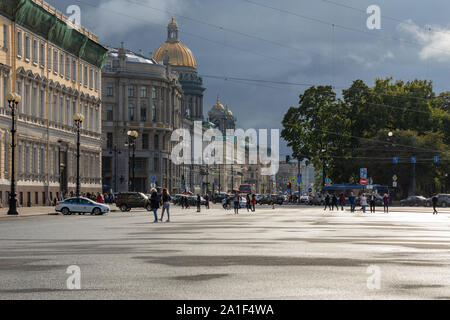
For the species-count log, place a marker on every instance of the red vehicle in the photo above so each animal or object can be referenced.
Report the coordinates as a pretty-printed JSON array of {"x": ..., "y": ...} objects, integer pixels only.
[{"x": 245, "y": 188}]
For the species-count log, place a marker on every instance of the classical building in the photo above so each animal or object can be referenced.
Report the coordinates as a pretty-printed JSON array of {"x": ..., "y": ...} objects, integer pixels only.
[
  {"x": 56, "y": 70},
  {"x": 181, "y": 60},
  {"x": 142, "y": 95}
]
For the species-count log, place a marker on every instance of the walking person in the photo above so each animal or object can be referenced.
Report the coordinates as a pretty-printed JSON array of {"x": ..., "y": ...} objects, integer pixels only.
[
  {"x": 236, "y": 202},
  {"x": 342, "y": 200},
  {"x": 327, "y": 202},
  {"x": 248, "y": 202},
  {"x": 207, "y": 201},
  {"x": 166, "y": 205},
  {"x": 99, "y": 198},
  {"x": 372, "y": 199},
  {"x": 186, "y": 203},
  {"x": 199, "y": 203},
  {"x": 154, "y": 203},
  {"x": 363, "y": 202},
  {"x": 352, "y": 200},
  {"x": 253, "y": 203},
  {"x": 386, "y": 203},
  {"x": 334, "y": 201},
  {"x": 182, "y": 202},
  {"x": 435, "y": 201}
]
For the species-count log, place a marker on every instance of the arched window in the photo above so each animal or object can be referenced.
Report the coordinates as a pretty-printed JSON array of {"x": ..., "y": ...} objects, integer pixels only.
[
  {"x": 131, "y": 112},
  {"x": 156, "y": 142},
  {"x": 153, "y": 112}
]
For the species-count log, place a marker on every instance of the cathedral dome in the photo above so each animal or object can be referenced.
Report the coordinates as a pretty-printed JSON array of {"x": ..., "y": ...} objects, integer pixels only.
[
  {"x": 228, "y": 111},
  {"x": 179, "y": 54},
  {"x": 218, "y": 106}
]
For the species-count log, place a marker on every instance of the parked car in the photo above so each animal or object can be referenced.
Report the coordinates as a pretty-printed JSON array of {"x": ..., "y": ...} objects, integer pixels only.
[
  {"x": 176, "y": 199},
  {"x": 218, "y": 197},
  {"x": 125, "y": 201},
  {"x": 81, "y": 205},
  {"x": 317, "y": 200},
  {"x": 443, "y": 200},
  {"x": 242, "y": 202},
  {"x": 265, "y": 199},
  {"x": 413, "y": 201},
  {"x": 304, "y": 199},
  {"x": 192, "y": 200}
]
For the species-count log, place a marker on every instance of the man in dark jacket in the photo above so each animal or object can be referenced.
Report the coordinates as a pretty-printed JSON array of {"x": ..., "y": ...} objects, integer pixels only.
[
  {"x": 154, "y": 202},
  {"x": 327, "y": 202},
  {"x": 435, "y": 201}
]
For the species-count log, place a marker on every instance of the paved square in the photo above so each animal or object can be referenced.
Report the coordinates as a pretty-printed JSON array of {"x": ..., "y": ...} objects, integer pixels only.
[{"x": 286, "y": 253}]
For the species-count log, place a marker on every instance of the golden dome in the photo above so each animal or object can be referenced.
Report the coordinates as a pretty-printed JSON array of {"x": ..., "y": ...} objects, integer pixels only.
[
  {"x": 218, "y": 106},
  {"x": 228, "y": 111},
  {"x": 179, "y": 54}
]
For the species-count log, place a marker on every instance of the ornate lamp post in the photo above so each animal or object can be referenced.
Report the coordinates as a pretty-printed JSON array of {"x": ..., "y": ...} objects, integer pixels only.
[
  {"x": 13, "y": 100},
  {"x": 132, "y": 136},
  {"x": 78, "y": 119}
]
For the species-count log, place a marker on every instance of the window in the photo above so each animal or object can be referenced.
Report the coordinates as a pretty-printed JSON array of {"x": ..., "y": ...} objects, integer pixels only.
[
  {"x": 19, "y": 43},
  {"x": 143, "y": 92},
  {"x": 153, "y": 93},
  {"x": 61, "y": 64},
  {"x": 34, "y": 102},
  {"x": 96, "y": 80},
  {"x": 68, "y": 117},
  {"x": 34, "y": 162},
  {"x": 27, "y": 99},
  {"x": 5, "y": 37},
  {"x": 80, "y": 73},
  {"x": 145, "y": 141},
  {"x": 130, "y": 91},
  {"x": 74, "y": 107},
  {"x": 109, "y": 140},
  {"x": 109, "y": 113},
  {"x": 35, "y": 51},
  {"x": 61, "y": 109},
  {"x": 155, "y": 164},
  {"x": 109, "y": 89},
  {"x": 143, "y": 111},
  {"x": 131, "y": 112},
  {"x": 85, "y": 76},
  {"x": 153, "y": 113},
  {"x": 91, "y": 119},
  {"x": 91, "y": 79},
  {"x": 42, "y": 54},
  {"x": 49, "y": 58},
  {"x": 42, "y": 162},
  {"x": 27, "y": 47},
  {"x": 74, "y": 70},
  {"x": 42, "y": 104},
  {"x": 55, "y": 60},
  {"x": 156, "y": 142},
  {"x": 68, "y": 67}
]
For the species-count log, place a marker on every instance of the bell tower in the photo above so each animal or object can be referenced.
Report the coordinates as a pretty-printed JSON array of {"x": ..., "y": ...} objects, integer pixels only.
[{"x": 172, "y": 31}]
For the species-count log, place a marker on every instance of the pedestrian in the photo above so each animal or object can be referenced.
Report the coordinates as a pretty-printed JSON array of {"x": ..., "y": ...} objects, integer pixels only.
[
  {"x": 182, "y": 202},
  {"x": 363, "y": 202},
  {"x": 372, "y": 199},
  {"x": 166, "y": 205},
  {"x": 186, "y": 203},
  {"x": 199, "y": 203},
  {"x": 207, "y": 201},
  {"x": 236, "y": 202},
  {"x": 435, "y": 201},
  {"x": 334, "y": 201},
  {"x": 327, "y": 202},
  {"x": 99, "y": 198},
  {"x": 248, "y": 202},
  {"x": 386, "y": 203},
  {"x": 352, "y": 200},
  {"x": 154, "y": 203},
  {"x": 253, "y": 202},
  {"x": 342, "y": 200}
]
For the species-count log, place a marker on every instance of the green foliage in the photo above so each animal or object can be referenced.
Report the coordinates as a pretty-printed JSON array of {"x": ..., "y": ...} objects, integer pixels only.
[{"x": 342, "y": 135}]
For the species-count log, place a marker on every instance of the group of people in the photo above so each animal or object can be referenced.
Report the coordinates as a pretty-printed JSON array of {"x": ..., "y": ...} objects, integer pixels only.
[
  {"x": 366, "y": 200},
  {"x": 157, "y": 201}
]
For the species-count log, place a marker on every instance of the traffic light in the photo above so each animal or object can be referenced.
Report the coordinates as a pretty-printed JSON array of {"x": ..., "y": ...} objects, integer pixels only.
[
  {"x": 288, "y": 159},
  {"x": 289, "y": 185}
]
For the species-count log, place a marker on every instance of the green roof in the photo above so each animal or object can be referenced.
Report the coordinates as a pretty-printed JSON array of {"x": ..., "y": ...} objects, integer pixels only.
[{"x": 32, "y": 16}]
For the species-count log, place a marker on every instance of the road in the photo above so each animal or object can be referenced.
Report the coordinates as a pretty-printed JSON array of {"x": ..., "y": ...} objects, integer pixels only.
[{"x": 286, "y": 253}]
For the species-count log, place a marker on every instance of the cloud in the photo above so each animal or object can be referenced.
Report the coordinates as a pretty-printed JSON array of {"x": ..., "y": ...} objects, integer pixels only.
[
  {"x": 435, "y": 41},
  {"x": 120, "y": 17}
]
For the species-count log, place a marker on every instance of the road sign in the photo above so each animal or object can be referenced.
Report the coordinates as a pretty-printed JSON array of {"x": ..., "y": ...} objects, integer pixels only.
[
  {"x": 363, "y": 173},
  {"x": 436, "y": 159},
  {"x": 395, "y": 177},
  {"x": 413, "y": 160},
  {"x": 299, "y": 178},
  {"x": 363, "y": 181},
  {"x": 327, "y": 180},
  {"x": 370, "y": 181},
  {"x": 394, "y": 184},
  {"x": 183, "y": 187},
  {"x": 395, "y": 160},
  {"x": 153, "y": 179},
  {"x": 310, "y": 190}
]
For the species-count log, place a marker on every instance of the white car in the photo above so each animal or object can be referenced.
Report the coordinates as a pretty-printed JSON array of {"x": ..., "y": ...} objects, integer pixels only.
[
  {"x": 242, "y": 202},
  {"x": 81, "y": 205}
]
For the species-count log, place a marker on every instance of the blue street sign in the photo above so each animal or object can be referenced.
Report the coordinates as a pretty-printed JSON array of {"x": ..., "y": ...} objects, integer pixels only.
[
  {"x": 395, "y": 160},
  {"x": 363, "y": 173},
  {"x": 436, "y": 159},
  {"x": 153, "y": 179},
  {"x": 299, "y": 178},
  {"x": 310, "y": 190},
  {"x": 413, "y": 160},
  {"x": 327, "y": 180},
  {"x": 183, "y": 187}
]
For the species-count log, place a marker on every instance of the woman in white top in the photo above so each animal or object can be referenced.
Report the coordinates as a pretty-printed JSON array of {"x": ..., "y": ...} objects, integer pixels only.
[{"x": 364, "y": 202}]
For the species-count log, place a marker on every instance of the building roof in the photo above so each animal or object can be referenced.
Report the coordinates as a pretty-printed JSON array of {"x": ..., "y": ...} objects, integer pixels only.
[{"x": 131, "y": 56}]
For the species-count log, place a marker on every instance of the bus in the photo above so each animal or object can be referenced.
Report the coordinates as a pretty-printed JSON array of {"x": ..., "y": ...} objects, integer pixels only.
[{"x": 245, "y": 188}]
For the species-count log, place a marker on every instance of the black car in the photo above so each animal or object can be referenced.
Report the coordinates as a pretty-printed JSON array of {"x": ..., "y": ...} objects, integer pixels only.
[
  {"x": 125, "y": 201},
  {"x": 413, "y": 201}
]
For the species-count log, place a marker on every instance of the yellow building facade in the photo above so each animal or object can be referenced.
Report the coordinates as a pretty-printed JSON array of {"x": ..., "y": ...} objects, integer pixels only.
[{"x": 56, "y": 69}]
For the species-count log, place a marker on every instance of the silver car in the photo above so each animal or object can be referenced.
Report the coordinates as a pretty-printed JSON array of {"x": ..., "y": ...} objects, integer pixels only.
[{"x": 81, "y": 205}]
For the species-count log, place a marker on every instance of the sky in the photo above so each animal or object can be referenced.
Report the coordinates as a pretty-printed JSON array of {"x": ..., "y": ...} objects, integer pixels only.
[{"x": 287, "y": 44}]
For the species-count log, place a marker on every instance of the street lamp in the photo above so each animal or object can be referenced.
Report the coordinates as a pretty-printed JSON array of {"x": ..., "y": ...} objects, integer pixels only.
[
  {"x": 13, "y": 100},
  {"x": 132, "y": 136},
  {"x": 78, "y": 119}
]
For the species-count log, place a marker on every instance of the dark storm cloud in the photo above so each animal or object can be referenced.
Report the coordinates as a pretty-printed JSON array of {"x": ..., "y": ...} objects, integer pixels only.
[{"x": 295, "y": 49}]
